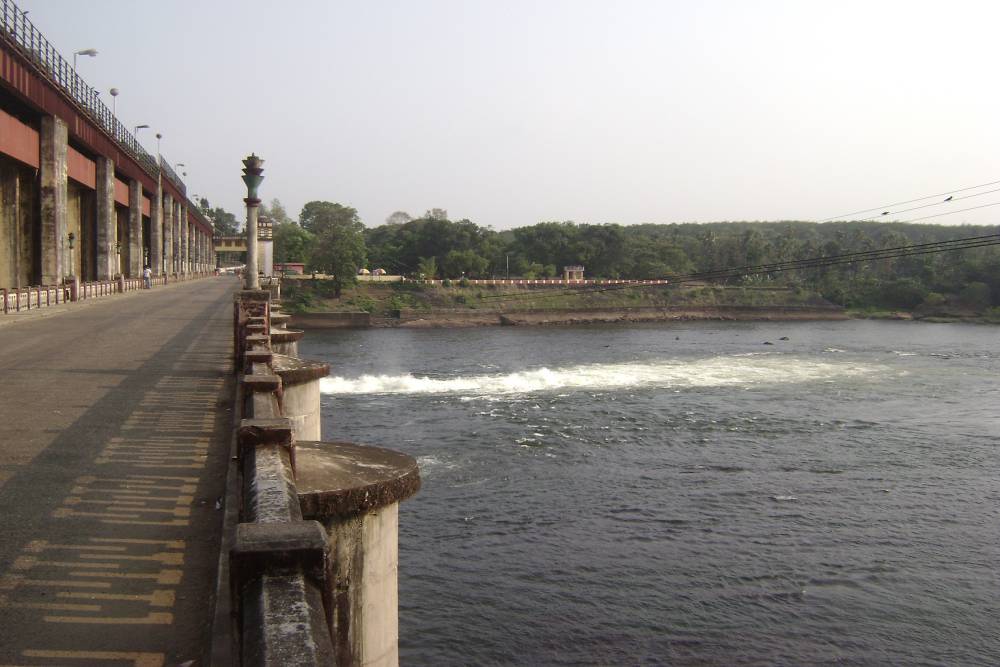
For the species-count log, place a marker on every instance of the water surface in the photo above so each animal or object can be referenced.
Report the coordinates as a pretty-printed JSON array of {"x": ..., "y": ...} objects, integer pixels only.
[{"x": 686, "y": 494}]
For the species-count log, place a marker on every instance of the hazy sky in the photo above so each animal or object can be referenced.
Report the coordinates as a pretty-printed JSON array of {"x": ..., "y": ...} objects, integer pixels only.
[{"x": 509, "y": 113}]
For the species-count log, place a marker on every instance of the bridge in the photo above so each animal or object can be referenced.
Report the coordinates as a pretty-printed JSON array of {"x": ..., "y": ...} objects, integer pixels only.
[
  {"x": 166, "y": 497},
  {"x": 80, "y": 199}
]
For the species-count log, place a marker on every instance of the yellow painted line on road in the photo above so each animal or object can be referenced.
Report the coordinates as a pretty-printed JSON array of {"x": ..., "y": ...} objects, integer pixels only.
[
  {"x": 152, "y": 618},
  {"x": 168, "y": 544},
  {"x": 28, "y": 562},
  {"x": 138, "y": 659},
  {"x": 12, "y": 581},
  {"x": 66, "y": 513},
  {"x": 163, "y": 577},
  {"x": 157, "y": 598},
  {"x": 48, "y": 606},
  {"x": 76, "y": 500},
  {"x": 138, "y": 522},
  {"x": 167, "y": 558},
  {"x": 37, "y": 546},
  {"x": 184, "y": 499},
  {"x": 165, "y": 478}
]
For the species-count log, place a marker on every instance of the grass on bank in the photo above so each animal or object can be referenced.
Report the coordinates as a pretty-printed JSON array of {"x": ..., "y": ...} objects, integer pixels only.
[{"x": 388, "y": 299}]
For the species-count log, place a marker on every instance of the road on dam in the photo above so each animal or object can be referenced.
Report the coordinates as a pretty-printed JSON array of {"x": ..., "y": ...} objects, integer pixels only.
[{"x": 115, "y": 421}]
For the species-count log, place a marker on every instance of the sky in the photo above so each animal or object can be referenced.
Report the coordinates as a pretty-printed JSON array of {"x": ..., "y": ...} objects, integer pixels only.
[{"x": 514, "y": 112}]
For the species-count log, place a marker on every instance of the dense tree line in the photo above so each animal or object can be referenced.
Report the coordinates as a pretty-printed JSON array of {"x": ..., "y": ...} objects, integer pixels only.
[{"x": 329, "y": 237}]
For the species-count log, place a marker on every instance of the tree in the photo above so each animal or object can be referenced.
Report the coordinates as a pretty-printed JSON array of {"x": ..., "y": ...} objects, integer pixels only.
[
  {"x": 339, "y": 246},
  {"x": 275, "y": 212},
  {"x": 463, "y": 263},
  {"x": 317, "y": 214},
  {"x": 223, "y": 222},
  {"x": 398, "y": 218},
  {"x": 427, "y": 268},
  {"x": 291, "y": 243},
  {"x": 436, "y": 214}
]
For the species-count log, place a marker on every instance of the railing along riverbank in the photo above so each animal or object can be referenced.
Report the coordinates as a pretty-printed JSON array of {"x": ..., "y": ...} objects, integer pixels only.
[
  {"x": 312, "y": 526},
  {"x": 14, "y": 300}
]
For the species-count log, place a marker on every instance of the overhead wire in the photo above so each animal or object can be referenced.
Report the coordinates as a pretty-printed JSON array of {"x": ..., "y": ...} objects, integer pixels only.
[{"x": 883, "y": 207}]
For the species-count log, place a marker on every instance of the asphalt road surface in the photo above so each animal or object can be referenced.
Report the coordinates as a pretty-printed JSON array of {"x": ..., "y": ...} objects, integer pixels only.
[{"x": 114, "y": 423}]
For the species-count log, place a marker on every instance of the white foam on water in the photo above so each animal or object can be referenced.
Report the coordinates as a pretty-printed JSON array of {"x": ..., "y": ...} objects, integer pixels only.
[{"x": 675, "y": 374}]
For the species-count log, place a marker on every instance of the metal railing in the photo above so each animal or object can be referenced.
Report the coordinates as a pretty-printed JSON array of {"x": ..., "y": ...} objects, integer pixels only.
[{"x": 16, "y": 29}]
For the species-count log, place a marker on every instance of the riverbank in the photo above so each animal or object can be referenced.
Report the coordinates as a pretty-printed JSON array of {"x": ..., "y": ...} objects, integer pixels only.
[{"x": 415, "y": 305}]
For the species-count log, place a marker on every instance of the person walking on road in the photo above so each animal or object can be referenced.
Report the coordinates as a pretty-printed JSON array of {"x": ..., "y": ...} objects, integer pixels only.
[{"x": 147, "y": 278}]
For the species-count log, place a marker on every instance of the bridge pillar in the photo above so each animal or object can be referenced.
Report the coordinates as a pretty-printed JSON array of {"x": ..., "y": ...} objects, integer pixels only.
[
  {"x": 178, "y": 228},
  {"x": 186, "y": 224},
  {"x": 156, "y": 232},
  {"x": 135, "y": 266},
  {"x": 107, "y": 229},
  {"x": 178, "y": 239},
  {"x": 168, "y": 234},
  {"x": 54, "y": 196}
]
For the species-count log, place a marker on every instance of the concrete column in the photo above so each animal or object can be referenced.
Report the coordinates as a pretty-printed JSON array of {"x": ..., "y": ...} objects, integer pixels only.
[
  {"x": 186, "y": 224},
  {"x": 54, "y": 195},
  {"x": 300, "y": 398},
  {"x": 107, "y": 227},
  {"x": 362, "y": 529},
  {"x": 178, "y": 237},
  {"x": 168, "y": 233},
  {"x": 156, "y": 232},
  {"x": 135, "y": 266}
]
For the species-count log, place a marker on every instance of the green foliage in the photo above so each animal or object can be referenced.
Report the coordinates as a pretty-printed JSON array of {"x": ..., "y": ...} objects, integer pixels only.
[
  {"x": 427, "y": 268},
  {"x": 650, "y": 251},
  {"x": 339, "y": 244},
  {"x": 362, "y": 302},
  {"x": 291, "y": 243},
  {"x": 399, "y": 302},
  {"x": 975, "y": 295},
  {"x": 223, "y": 222}
]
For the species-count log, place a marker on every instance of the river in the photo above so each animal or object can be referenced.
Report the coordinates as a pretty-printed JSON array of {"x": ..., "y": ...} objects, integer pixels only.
[{"x": 686, "y": 493}]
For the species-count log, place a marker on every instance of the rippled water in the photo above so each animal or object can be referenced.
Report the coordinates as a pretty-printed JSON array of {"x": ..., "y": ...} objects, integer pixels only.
[{"x": 685, "y": 494}]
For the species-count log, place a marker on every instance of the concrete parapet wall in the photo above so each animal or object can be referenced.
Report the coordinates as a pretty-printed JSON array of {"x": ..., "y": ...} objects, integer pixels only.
[{"x": 314, "y": 551}]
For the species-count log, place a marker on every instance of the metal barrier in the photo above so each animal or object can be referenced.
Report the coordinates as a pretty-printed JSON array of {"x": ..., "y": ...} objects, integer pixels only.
[{"x": 14, "y": 300}]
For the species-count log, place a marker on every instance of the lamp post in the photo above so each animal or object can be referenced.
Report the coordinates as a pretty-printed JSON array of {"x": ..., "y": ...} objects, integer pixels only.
[
  {"x": 71, "y": 237},
  {"x": 84, "y": 52},
  {"x": 252, "y": 171},
  {"x": 136, "y": 129},
  {"x": 114, "y": 101}
]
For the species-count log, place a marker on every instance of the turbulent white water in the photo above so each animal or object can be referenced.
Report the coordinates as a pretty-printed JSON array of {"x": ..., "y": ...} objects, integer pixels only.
[{"x": 712, "y": 372}]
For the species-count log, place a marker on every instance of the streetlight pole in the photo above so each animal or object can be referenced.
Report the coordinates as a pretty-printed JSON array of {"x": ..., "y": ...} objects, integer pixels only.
[
  {"x": 252, "y": 176},
  {"x": 84, "y": 52},
  {"x": 114, "y": 101}
]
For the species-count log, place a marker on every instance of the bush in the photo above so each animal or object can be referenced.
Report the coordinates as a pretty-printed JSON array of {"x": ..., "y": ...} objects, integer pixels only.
[
  {"x": 399, "y": 301},
  {"x": 362, "y": 302}
]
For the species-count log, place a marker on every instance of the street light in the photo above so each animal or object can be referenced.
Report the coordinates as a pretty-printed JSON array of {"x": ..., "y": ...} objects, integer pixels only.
[
  {"x": 139, "y": 127},
  {"x": 71, "y": 237},
  {"x": 252, "y": 176},
  {"x": 114, "y": 101},
  {"x": 85, "y": 52}
]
